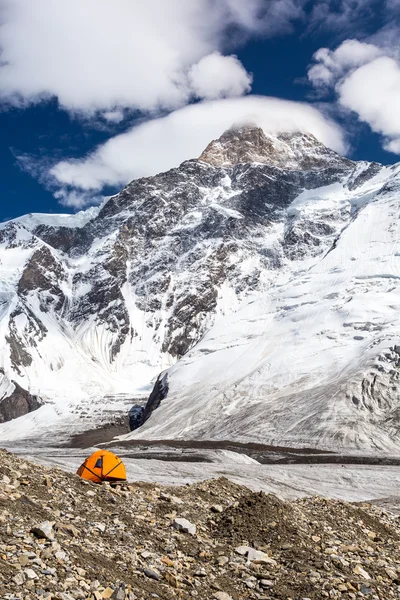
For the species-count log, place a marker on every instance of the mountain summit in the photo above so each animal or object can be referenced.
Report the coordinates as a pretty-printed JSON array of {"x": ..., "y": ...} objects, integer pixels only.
[
  {"x": 249, "y": 144},
  {"x": 261, "y": 236}
]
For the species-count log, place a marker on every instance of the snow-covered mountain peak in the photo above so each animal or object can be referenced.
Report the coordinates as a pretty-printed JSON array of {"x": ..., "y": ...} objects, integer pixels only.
[
  {"x": 93, "y": 306},
  {"x": 286, "y": 150}
]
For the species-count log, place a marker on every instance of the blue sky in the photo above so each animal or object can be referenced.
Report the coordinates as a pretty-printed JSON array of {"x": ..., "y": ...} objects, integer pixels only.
[{"x": 94, "y": 93}]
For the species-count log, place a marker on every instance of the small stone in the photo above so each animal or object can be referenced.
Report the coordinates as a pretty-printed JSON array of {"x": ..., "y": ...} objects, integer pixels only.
[
  {"x": 358, "y": 570},
  {"x": 365, "y": 590},
  {"x": 44, "y": 530},
  {"x": 251, "y": 583},
  {"x": 30, "y": 573},
  {"x": 266, "y": 583},
  {"x": 391, "y": 574},
  {"x": 176, "y": 500},
  {"x": 151, "y": 574},
  {"x": 260, "y": 558},
  {"x": 185, "y": 526},
  {"x": 351, "y": 548},
  {"x": 119, "y": 593},
  {"x": 107, "y": 593},
  {"x": 217, "y": 508},
  {"x": 19, "y": 579},
  {"x": 316, "y": 538},
  {"x": 222, "y": 596}
]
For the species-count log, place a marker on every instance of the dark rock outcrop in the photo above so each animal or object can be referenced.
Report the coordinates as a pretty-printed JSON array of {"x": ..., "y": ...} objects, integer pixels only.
[{"x": 16, "y": 401}]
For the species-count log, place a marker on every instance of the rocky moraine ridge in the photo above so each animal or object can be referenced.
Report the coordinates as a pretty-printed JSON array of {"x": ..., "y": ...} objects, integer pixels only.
[{"x": 62, "y": 538}]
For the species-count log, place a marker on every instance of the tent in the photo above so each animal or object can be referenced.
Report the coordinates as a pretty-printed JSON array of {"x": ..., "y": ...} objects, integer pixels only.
[{"x": 102, "y": 465}]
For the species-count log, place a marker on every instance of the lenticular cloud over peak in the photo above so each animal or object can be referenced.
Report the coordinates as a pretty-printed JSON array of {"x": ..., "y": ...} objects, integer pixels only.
[{"x": 162, "y": 143}]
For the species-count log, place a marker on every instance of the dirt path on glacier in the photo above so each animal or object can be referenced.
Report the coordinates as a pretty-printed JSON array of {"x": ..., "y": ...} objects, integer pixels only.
[{"x": 174, "y": 450}]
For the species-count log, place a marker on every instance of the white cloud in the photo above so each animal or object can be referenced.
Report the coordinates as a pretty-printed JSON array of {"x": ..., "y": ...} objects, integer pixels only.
[
  {"x": 343, "y": 15},
  {"x": 216, "y": 76},
  {"x": 77, "y": 199},
  {"x": 332, "y": 65},
  {"x": 373, "y": 92},
  {"x": 164, "y": 143},
  {"x": 98, "y": 55},
  {"x": 366, "y": 79},
  {"x": 113, "y": 116}
]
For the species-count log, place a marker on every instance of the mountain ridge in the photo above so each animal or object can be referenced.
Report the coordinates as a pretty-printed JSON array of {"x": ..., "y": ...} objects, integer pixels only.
[{"x": 92, "y": 312}]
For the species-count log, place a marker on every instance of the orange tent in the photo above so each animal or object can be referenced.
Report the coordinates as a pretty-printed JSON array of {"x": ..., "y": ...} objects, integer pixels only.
[{"x": 103, "y": 465}]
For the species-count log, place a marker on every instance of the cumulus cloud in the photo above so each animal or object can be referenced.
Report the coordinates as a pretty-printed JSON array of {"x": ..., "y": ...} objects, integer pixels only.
[
  {"x": 373, "y": 92},
  {"x": 163, "y": 143},
  {"x": 97, "y": 55},
  {"x": 366, "y": 79},
  {"x": 216, "y": 76},
  {"x": 332, "y": 65}
]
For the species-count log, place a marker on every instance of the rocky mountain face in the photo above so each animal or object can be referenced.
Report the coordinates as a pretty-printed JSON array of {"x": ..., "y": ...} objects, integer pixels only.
[
  {"x": 63, "y": 538},
  {"x": 313, "y": 361},
  {"x": 14, "y": 400},
  {"x": 93, "y": 306}
]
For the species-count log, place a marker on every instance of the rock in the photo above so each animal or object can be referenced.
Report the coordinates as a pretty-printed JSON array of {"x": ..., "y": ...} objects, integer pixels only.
[
  {"x": 19, "y": 578},
  {"x": 24, "y": 560},
  {"x": 260, "y": 558},
  {"x": 44, "y": 530},
  {"x": 185, "y": 526},
  {"x": 266, "y": 583},
  {"x": 222, "y": 596},
  {"x": 30, "y": 574},
  {"x": 217, "y": 508},
  {"x": 151, "y": 574},
  {"x": 176, "y": 500},
  {"x": 251, "y": 583},
  {"x": 107, "y": 593},
  {"x": 391, "y": 573},
  {"x": 358, "y": 570},
  {"x": 365, "y": 590},
  {"x": 67, "y": 529},
  {"x": 119, "y": 593},
  {"x": 242, "y": 550}
]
